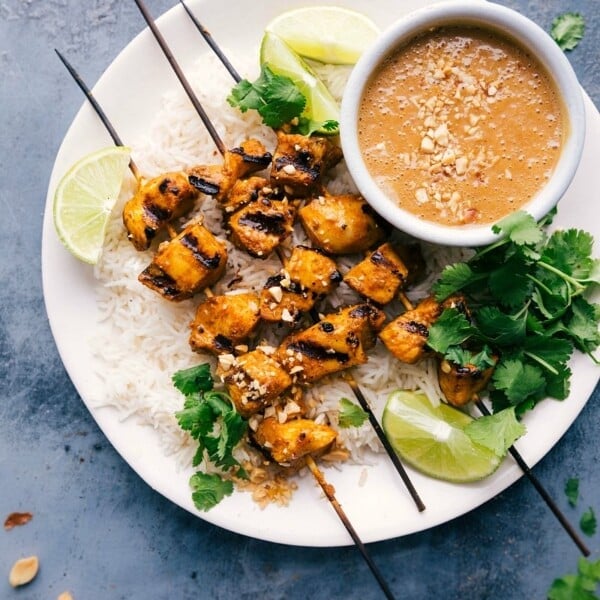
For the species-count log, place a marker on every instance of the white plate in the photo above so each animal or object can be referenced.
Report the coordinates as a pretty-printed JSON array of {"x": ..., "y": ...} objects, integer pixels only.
[{"x": 130, "y": 92}]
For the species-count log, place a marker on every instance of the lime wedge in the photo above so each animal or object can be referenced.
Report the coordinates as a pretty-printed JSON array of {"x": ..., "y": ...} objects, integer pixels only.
[
  {"x": 432, "y": 440},
  {"x": 282, "y": 60},
  {"x": 329, "y": 34},
  {"x": 84, "y": 199}
]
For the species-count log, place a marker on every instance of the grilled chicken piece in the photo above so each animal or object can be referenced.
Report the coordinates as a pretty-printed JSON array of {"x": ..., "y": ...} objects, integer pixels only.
[
  {"x": 343, "y": 224},
  {"x": 185, "y": 265},
  {"x": 308, "y": 277},
  {"x": 253, "y": 380},
  {"x": 289, "y": 441},
  {"x": 217, "y": 180},
  {"x": 406, "y": 336},
  {"x": 380, "y": 276},
  {"x": 245, "y": 191},
  {"x": 340, "y": 341},
  {"x": 300, "y": 162},
  {"x": 259, "y": 227},
  {"x": 157, "y": 202},
  {"x": 461, "y": 383},
  {"x": 223, "y": 322}
]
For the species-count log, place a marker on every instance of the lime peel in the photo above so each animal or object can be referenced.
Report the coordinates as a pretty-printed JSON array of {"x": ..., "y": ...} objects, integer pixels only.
[
  {"x": 433, "y": 441},
  {"x": 84, "y": 199},
  {"x": 329, "y": 34}
]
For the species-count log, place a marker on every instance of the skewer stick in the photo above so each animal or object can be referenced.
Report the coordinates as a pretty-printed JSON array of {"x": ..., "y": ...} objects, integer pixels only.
[
  {"x": 209, "y": 40},
  {"x": 182, "y": 78},
  {"x": 98, "y": 109},
  {"x": 541, "y": 491},
  {"x": 384, "y": 440},
  {"x": 351, "y": 381},
  {"x": 329, "y": 492}
]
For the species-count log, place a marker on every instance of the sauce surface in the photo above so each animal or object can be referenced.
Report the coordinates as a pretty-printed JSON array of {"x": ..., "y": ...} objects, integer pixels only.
[{"x": 460, "y": 126}]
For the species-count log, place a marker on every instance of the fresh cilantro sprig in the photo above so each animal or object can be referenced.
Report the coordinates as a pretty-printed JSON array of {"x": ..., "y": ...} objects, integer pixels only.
[
  {"x": 276, "y": 97},
  {"x": 527, "y": 291},
  {"x": 497, "y": 432},
  {"x": 581, "y": 586},
  {"x": 279, "y": 101},
  {"x": 351, "y": 415},
  {"x": 567, "y": 30},
  {"x": 211, "y": 419}
]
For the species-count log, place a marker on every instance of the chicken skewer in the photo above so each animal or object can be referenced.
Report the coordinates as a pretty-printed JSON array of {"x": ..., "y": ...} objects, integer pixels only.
[
  {"x": 468, "y": 393},
  {"x": 221, "y": 147},
  {"x": 306, "y": 215}
]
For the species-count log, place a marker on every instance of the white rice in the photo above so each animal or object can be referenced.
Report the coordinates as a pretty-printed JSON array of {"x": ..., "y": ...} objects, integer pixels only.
[{"x": 143, "y": 339}]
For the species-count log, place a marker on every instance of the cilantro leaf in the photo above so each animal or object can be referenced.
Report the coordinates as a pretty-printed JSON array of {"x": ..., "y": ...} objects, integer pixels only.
[
  {"x": 308, "y": 126},
  {"x": 212, "y": 420},
  {"x": 558, "y": 385},
  {"x": 500, "y": 328},
  {"x": 452, "y": 279},
  {"x": 351, "y": 415},
  {"x": 498, "y": 432},
  {"x": 582, "y": 325},
  {"x": 192, "y": 380},
  {"x": 588, "y": 523},
  {"x": 277, "y": 98},
  {"x": 509, "y": 283},
  {"x": 550, "y": 351},
  {"x": 567, "y": 30},
  {"x": 451, "y": 329},
  {"x": 209, "y": 490},
  {"x": 521, "y": 228},
  {"x": 463, "y": 357},
  {"x": 572, "y": 491},
  {"x": 518, "y": 381},
  {"x": 570, "y": 251}
]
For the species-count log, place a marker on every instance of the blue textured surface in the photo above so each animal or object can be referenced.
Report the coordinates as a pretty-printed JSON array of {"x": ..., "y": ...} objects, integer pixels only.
[{"x": 99, "y": 531}]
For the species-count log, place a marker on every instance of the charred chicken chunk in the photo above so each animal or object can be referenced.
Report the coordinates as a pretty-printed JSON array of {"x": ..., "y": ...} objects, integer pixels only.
[
  {"x": 308, "y": 277},
  {"x": 406, "y": 336},
  {"x": 223, "y": 322},
  {"x": 157, "y": 202},
  {"x": 342, "y": 224},
  {"x": 380, "y": 276},
  {"x": 217, "y": 180},
  {"x": 245, "y": 191},
  {"x": 339, "y": 341},
  {"x": 287, "y": 442},
  {"x": 300, "y": 162},
  {"x": 259, "y": 227},
  {"x": 253, "y": 380},
  {"x": 461, "y": 383},
  {"x": 185, "y": 265}
]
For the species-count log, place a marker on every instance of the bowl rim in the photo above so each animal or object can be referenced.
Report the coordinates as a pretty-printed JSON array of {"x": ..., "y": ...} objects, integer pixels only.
[{"x": 508, "y": 23}]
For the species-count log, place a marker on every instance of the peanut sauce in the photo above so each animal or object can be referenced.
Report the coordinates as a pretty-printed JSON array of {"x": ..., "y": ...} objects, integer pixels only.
[{"x": 461, "y": 126}]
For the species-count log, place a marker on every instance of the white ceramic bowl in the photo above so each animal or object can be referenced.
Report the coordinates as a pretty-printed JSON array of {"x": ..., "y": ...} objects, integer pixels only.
[{"x": 508, "y": 23}]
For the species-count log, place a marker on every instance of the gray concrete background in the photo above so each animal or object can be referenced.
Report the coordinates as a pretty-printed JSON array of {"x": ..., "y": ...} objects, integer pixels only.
[{"x": 99, "y": 531}]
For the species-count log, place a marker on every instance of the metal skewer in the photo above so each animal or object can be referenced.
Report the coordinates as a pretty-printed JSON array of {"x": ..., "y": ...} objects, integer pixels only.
[{"x": 347, "y": 376}]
